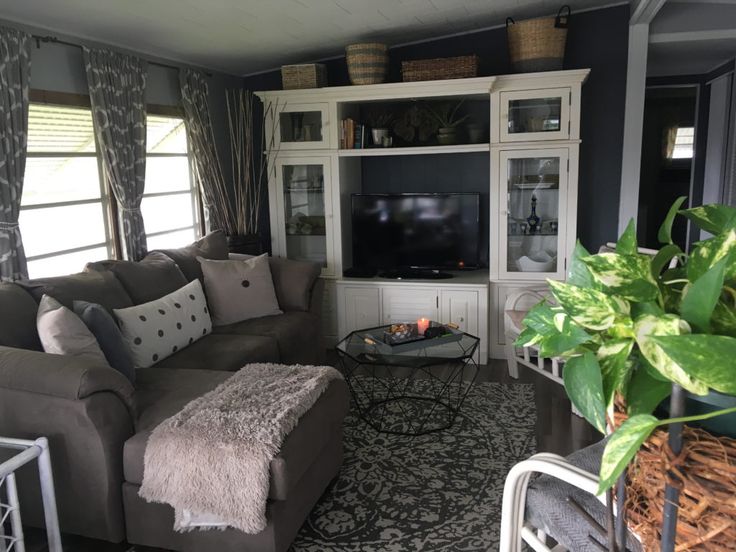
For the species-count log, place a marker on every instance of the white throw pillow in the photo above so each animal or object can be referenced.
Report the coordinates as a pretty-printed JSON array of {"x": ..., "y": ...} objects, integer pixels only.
[
  {"x": 63, "y": 333},
  {"x": 239, "y": 289},
  {"x": 160, "y": 328}
]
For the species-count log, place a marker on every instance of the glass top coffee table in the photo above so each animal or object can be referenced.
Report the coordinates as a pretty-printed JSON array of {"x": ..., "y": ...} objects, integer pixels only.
[{"x": 408, "y": 389}]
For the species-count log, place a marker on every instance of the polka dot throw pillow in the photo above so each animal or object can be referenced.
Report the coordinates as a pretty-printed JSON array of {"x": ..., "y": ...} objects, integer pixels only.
[{"x": 160, "y": 328}]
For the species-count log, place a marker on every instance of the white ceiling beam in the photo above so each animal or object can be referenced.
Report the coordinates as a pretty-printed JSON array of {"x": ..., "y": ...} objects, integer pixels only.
[
  {"x": 643, "y": 11},
  {"x": 692, "y": 36}
]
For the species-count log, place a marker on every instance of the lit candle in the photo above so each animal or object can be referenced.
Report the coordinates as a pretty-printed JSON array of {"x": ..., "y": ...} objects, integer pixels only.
[{"x": 422, "y": 325}]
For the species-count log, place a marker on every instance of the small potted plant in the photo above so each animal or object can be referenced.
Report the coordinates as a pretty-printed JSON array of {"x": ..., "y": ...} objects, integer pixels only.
[
  {"x": 379, "y": 120},
  {"x": 446, "y": 115},
  {"x": 634, "y": 329}
]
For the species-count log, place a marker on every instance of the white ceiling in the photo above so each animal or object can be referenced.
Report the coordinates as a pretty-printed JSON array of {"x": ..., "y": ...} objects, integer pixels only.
[
  {"x": 692, "y": 37},
  {"x": 246, "y": 36}
]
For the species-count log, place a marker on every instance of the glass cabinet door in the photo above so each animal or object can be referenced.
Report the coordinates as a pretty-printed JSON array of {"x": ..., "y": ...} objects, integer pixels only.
[
  {"x": 302, "y": 127},
  {"x": 304, "y": 210},
  {"x": 534, "y": 185},
  {"x": 535, "y": 115}
]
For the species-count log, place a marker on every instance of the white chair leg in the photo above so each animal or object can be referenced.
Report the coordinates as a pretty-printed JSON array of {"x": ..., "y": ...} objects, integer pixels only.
[{"x": 510, "y": 351}]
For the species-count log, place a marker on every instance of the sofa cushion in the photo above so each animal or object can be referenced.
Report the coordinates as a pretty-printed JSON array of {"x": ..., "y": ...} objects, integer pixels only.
[
  {"x": 162, "y": 393},
  {"x": 158, "y": 329},
  {"x": 144, "y": 281},
  {"x": 293, "y": 280},
  {"x": 212, "y": 246},
  {"x": 94, "y": 287},
  {"x": 298, "y": 335},
  {"x": 224, "y": 352},
  {"x": 239, "y": 290},
  {"x": 18, "y": 318},
  {"x": 63, "y": 333},
  {"x": 108, "y": 336}
]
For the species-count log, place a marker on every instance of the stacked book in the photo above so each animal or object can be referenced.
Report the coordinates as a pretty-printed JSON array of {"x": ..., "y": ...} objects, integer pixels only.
[{"x": 352, "y": 134}]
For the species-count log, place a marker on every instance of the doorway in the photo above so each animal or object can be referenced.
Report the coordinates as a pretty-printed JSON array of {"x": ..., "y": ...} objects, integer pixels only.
[{"x": 667, "y": 160}]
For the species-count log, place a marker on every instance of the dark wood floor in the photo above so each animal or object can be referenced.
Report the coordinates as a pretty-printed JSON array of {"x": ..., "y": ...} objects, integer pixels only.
[{"x": 558, "y": 431}]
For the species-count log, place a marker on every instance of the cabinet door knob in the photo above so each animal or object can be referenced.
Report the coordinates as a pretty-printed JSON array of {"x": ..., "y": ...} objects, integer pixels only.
[{"x": 462, "y": 319}]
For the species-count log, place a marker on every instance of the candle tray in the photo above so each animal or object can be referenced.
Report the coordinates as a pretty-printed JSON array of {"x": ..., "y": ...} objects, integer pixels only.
[{"x": 387, "y": 343}]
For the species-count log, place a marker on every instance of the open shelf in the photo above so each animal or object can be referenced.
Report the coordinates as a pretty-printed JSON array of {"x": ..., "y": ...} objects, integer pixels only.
[{"x": 414, "y": 150}]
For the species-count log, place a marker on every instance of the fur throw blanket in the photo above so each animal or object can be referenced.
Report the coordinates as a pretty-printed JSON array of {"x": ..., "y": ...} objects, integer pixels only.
[{"x": 212, "y": 459}]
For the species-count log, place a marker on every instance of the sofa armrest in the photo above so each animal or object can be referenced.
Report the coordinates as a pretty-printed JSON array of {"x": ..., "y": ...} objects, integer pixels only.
[{"x": 61, "y": 376}]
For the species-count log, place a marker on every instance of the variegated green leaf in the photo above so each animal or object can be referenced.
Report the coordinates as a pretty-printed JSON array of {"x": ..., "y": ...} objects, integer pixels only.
[
  {"x": 707, "y": 253},
  {"x": 626, "y": 244},
  {"x": 613, "y": 357},
  {"x": 622, "y": 446},
  {"x": 551, "y": 330},
  {"x": 589, "y": 308},
  {"x": 712, "y": 218},
  {"x": 645, "y": 392},
  {"x": 579, "y": 274},
  {"x": 707, "y": 358},
  {"x": 665, "y": 231},
  {"x": 628, "y": 276},
  {"x": 583, "y": 384},
  {"x": 527, "y": 338},
  {"x": 723, "y": 320},
  {"x": 663, "y": 258},
  {"x": 565, "y": 339},
  {"x": 647, "y": 327},
  {"x": 699, "y": 298}
]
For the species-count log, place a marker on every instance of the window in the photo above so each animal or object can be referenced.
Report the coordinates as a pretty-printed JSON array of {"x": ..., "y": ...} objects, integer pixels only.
[
  {"x": 683, "y": 147},
  {"x": 63, "y": 216},
  {"x": 169, "y": 203}
]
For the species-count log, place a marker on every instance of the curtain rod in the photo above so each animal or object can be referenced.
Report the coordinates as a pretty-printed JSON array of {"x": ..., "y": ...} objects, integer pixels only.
[{"x": 52, "y": 39}]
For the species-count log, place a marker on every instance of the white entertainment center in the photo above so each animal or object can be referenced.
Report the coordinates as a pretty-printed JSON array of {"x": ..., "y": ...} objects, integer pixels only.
[{"x": 532, "y": 144}]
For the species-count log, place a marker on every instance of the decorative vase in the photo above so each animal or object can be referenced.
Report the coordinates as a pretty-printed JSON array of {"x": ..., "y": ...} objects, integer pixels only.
[
  {"x": 378, "y": 135},
  {"x": 533, "y": 219},
  {"x": 245, "y": 244},
  {"x": 476, "y": 133},
  {"x": 447, "y": 136}
]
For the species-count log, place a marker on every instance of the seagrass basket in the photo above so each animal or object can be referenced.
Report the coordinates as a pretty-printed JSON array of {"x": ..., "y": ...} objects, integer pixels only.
[
  {"x": 460, "y": 67},
  {"x": 367, "y": 62},
  {"x": 307, "y": 75},
  {"x": 538, "y": 44}
]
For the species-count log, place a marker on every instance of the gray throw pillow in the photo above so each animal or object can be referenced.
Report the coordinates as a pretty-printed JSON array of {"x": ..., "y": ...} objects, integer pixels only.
[
  {"x": 108, "y": 335},
  {"x": 63, "y": 333},
  {"x": 147, "y": 280},
  {"x": 211, "y": 246},
  {"x": 156, "y": 330},
  {"x": 240, "y": 289}
]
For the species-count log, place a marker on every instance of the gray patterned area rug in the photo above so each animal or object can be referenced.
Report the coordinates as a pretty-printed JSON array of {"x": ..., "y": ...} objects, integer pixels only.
[{"x": 439, "y": 492}]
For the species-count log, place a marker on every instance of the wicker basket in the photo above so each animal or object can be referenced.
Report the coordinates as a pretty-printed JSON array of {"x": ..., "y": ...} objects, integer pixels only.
[
  {"x": 538, "y": 44},
  {"x": 308, "y": 75},
  {"x": 367, "y": 62},
  {"x": 460, "y": 67}
]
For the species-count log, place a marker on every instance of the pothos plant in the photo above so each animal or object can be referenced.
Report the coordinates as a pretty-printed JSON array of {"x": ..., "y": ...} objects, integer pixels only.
[{"x": 630, "y": 325}]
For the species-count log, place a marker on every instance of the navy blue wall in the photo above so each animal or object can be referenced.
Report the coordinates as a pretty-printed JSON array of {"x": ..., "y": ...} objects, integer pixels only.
[{"x": 597, "y": 40}]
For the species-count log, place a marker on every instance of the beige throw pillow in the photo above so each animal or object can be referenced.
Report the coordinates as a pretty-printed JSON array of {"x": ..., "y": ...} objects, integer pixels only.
[
  {"x": 63, "y": 333},
  {"x": 239, "y": 290}
]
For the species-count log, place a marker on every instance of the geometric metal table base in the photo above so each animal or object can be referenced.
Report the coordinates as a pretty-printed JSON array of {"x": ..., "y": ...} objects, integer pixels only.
[{"x": 408, "y": 393}]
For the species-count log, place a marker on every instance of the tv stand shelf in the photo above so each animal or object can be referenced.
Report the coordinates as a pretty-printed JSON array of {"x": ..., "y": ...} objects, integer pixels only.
[
  {"x": 461, "y": 300},
  {"x": 414, "y": 150}
]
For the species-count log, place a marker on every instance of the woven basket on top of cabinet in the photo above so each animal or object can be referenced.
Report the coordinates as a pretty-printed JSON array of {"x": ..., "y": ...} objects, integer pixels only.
[
  {"x": 306, "y": 75},
  {"x": 460, "y": 67}
]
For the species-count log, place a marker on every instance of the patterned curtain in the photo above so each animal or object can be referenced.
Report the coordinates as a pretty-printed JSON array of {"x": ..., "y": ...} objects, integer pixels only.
[
  {"x": 117, "y": 89},
  {"x": 15, "y": 69},
  {"x": 201, "y": 138}
]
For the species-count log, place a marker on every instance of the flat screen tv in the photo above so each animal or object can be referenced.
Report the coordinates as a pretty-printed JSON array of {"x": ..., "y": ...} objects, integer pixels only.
[{"x": 425, "y": 231}]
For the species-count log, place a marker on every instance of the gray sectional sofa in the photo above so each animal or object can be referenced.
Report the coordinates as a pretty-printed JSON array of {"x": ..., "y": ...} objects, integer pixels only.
[{"x": 98, "y": 423}]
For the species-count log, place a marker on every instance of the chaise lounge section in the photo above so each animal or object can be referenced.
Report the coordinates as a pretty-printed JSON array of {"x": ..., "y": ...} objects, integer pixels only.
[{"x": 98, "y": 423}]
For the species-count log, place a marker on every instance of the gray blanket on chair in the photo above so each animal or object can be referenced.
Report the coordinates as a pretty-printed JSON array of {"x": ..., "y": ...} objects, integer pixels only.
[{"x": 212, "y": 458}]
